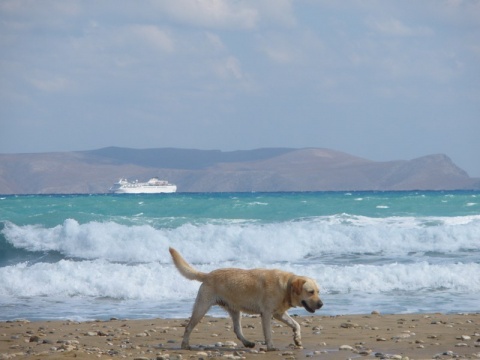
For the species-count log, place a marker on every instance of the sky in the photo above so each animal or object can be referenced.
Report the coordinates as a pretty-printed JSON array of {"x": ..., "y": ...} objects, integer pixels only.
[{"x": 380, "y": 79}]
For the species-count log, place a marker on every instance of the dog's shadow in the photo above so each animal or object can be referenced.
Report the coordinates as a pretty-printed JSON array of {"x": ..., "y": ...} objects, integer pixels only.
[
  {"x": 261, "y": 348},
  {"x": 211, "y": 348}
]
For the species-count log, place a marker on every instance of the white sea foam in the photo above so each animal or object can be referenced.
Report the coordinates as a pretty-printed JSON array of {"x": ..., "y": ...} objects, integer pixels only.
[
  {"x": 97, "y": 278},
  {"x": 252, "y": 242},
  {"x": 155, "y": 281},
  {"x": 93, "y": 240}
]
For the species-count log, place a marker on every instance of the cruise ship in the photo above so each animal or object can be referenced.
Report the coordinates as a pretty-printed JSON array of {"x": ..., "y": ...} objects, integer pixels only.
[{"x": 152, "y": 186}]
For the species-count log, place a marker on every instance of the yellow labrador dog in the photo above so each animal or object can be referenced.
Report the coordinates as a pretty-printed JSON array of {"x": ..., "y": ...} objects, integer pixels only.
[{"x": 257, "y": 291}]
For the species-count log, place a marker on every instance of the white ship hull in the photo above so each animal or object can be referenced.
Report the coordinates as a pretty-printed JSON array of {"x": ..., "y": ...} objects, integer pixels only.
[
  {"x": 153, "y": 186},
  {"x": 147, "y": 190}
]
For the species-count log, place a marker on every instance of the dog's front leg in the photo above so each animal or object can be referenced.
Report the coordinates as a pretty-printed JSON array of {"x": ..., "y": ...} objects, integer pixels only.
[
  {"x": 267, "y": 331},
  {"x": 286, "y": 319}
]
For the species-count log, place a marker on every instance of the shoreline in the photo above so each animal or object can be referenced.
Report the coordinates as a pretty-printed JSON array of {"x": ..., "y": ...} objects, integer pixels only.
[{"x": 390, "y": 336}]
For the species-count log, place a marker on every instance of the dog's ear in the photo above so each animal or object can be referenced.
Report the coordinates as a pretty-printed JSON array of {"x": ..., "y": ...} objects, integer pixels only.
[{"x": 297, "y": 285}]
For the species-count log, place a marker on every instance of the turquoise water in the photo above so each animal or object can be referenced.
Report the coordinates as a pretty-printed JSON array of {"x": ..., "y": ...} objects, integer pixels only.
[
  {"x": 94, "y": 256},
  {"x": 266, "y": 207}
]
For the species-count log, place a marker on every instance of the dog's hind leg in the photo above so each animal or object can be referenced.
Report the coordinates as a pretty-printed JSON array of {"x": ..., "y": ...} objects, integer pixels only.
[
  {"x": 237, "y": 327},
  {"x": 286, "y": 319},
  {"x": 203, "y": 302}
]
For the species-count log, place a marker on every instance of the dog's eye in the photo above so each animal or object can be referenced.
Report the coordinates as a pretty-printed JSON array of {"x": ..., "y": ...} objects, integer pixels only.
[{"x": 312, "y": 292}]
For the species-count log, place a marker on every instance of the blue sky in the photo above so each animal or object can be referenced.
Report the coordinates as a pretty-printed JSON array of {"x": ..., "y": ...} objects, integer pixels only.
[{"x": 384, "y": 80}]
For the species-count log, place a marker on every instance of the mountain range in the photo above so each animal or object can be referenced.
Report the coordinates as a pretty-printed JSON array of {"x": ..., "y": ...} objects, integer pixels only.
[{"x": 269, "y": 169}]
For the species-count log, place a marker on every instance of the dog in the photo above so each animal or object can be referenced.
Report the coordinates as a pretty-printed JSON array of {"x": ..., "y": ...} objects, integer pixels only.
[{"x": 268, "y": 292}]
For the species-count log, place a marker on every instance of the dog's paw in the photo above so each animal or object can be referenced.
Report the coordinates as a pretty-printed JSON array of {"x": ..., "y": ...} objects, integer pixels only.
[
  {"x": 186, "y": 346},
  {"x": 272, "y": 348},
  {"x": 249, "y": 344},
  {"x": 298, "y": 342}
]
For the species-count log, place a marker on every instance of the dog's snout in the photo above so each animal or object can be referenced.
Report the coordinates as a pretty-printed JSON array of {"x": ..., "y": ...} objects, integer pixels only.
[{"x": 319, "y": 304}]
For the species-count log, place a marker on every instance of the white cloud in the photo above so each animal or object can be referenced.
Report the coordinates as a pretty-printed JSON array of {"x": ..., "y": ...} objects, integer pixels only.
[
  {"x": 279, "y": 47},
  {"x": 215, "y": 41},
  {"x": 54, "y": 84},
  {"x": 31, "y": 14},
  {"x": 229, "y": 69},
  {"x": 277, "y": 11},
  {"x": 395, "y": 27},
  {"x": 212, "y": 13},
  {"x": 279, "y": 55},
  {"x": 35, "y": 8},
  {"x": 293, "y": 47},
  {"x": 153, "y": 36},
  {"x": 226, "y": 14}
]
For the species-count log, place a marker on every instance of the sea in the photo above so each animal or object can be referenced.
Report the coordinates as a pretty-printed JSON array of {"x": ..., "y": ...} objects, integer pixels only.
[{"x": 99, "y": 256}]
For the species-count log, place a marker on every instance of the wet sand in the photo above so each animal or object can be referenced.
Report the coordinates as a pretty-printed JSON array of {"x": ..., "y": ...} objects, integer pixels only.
[{"x": 417, "y": 336}]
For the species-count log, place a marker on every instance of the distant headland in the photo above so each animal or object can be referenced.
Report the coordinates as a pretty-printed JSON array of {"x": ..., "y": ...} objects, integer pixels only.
[{"x": 260, "y": 170}]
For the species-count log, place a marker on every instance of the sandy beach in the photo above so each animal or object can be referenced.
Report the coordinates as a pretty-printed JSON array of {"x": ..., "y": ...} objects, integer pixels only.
[{"x": 417, "y": 336}]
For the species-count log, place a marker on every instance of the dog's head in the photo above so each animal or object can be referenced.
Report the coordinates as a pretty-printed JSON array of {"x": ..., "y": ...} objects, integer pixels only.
[{"x": 305, "y": 293}]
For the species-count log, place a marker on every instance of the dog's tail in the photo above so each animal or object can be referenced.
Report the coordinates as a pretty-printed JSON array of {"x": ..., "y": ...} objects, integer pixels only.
[{"x": 185, "y": 268}]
